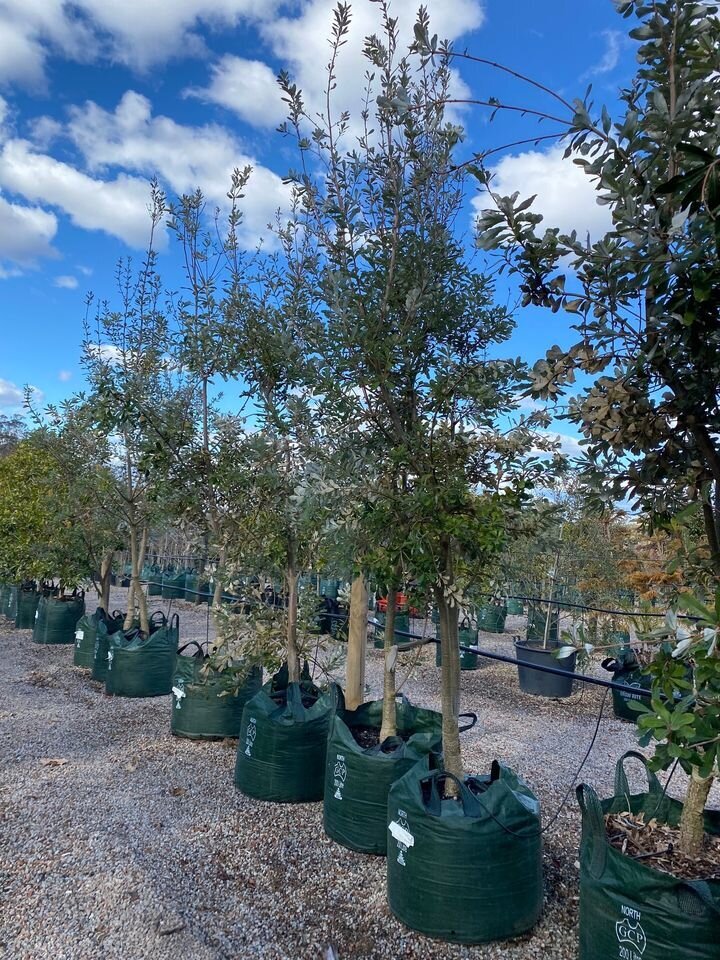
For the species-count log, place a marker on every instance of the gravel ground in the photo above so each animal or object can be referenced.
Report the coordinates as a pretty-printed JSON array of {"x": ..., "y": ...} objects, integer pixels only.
[{"x": 138, "y": 846}]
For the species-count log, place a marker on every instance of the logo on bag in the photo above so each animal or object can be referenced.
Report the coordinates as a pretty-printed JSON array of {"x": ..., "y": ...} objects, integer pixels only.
[
  {"x": 110, "y": 659},
  {"x": 78, "y": 637},
  {"x": 630, "y": 933},
  {"x": 179, "y": 692},
  {"x": 340, "y": 775},
  {"x": 400, "y": 831},
  {"x": 250, "y": 735}
]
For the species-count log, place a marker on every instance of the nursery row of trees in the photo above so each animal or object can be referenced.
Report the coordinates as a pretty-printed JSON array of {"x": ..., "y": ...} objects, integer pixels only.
[{"x": 370, "y": 417}]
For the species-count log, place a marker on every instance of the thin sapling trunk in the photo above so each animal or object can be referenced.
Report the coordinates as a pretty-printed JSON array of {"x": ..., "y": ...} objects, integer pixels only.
[
  {"x": 450, "y": 686},
  {"x": 293, "y": 657},
  {"x": 389, "y": 713},
  {"x": 105, "y": 574},
  {"x": 357, "y": 644}
]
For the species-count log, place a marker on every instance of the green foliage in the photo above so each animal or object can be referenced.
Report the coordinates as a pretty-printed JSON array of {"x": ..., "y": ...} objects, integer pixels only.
[
  {"x": 683, "y": 716},
  {"x": 647, "y": 294},
  {"x": 41, "y": 535}
]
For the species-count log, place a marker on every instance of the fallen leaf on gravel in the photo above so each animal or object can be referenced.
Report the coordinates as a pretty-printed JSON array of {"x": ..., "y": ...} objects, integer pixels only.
[
  {"x": 178, "y": 792},
  {"x": 169, "y": 926},
  {"x": 53, "y": 762},
  {"x": 131, "y": 767},
  {"x": 38, "y": 679}
]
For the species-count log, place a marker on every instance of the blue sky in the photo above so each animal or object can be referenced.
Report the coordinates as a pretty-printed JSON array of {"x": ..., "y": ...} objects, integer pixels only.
[{"x": 98, "y": 96}]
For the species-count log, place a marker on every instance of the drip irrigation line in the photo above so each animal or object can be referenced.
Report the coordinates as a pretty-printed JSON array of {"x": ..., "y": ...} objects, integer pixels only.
[
  {"x": 503, "y": 658},
  {"x": 489, "y": 655},
  {"x": 581, "y": 606}
]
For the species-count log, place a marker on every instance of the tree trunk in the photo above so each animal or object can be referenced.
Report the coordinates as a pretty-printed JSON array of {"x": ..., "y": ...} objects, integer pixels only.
[
  {"x": 692, "y": 827},
  {"x": 450, "y": 685},
  {"x": 218, "y": 586},
  {"x": 136, "y": 595},
  {"x": 105, "y": 573},
  {"x": 357, "y": 644},
  {"x": 291, "y": 578},
  {"x": 389, "y": 714}
]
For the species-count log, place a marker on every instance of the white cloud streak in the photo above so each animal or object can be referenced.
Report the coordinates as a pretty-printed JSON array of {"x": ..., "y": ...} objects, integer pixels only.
[{"x": 566, "y": 197}]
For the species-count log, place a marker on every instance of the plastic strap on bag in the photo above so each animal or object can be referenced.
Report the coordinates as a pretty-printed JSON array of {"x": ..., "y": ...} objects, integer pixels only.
[
  {"x": 692, "y": 891},
  {"x": 469, "y": 801},
  {"x": 293, "y": 703},
  {"x": 193, "y": 643},
  {"x": 467, "y": 726},
  {"x": 622, "y": 788},
  {"x": 594, "y": 820}
]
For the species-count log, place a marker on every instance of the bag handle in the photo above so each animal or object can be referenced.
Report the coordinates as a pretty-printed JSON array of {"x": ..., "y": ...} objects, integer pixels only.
[
  {"x": 690, "y": 891},
  {"x": 293, "y": 702},
  {"x": 468, "y": 726},
  {"x": 622, "y": 788},
  {"x": 468, "y": 800},
  {"x": 158, "y": 619},
  {"x": 192, "y": 643},
  {"x": 175, "y": 623},
  {"x": 594, "y": 821}
]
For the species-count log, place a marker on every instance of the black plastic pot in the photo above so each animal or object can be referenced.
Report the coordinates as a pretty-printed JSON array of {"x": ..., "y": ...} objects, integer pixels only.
[{"x": 535, "y": 681}]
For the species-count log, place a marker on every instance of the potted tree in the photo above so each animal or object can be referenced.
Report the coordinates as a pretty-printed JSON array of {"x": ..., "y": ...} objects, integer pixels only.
[
  {"x": 412, "y": 323},
  {"x": 652, "y": 437}
]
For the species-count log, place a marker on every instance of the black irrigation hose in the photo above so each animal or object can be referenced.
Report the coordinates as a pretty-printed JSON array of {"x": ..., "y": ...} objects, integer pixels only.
[
  {"x": 502, "y": 658},
  {"x": 580, "y": 606}
]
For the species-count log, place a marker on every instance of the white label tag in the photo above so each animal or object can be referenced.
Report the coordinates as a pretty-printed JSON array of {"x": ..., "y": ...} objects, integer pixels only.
[
  {"x": 37, "y": 612},
  {"x": 79, "y": 634},
  {"x": 401, "y": 834}
]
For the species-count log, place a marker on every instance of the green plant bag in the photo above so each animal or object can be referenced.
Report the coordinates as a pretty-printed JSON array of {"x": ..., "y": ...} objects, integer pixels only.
[
  {"x": 282, "y": 747},
  {"x": 515, "y": 608},
  {"x": 4, "y": 598},
  {"x": 10, "y": 609},
  {"x": 402, "y": 622},
  {"x": 204, "y": 705},
  {"x": 627, "y": 908},
  {"x": 86, "y": 631},
  {"x": 491, "y": 618},
  {"x": 26, "y": 608},
  {"x": 468, "y": 638},
  {"x": 357, "y": 780},
  {"x": 467, "y": 870},
  {"x": 155, "y": 583},
  {"x": 192, "y": 587},
  {"x": 173, "y": 586},
  {"x": 57, "y": 617},
  {"x": 141, "y": 666}
]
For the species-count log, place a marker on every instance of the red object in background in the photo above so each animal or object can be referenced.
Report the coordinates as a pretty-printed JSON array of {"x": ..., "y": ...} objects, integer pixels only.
[{"x": 401, "y": 602}]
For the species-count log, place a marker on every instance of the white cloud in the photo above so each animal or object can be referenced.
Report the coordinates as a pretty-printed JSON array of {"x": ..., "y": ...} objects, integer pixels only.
[
  {"x": 567, "y": 444},
  {"x": 135, "y": 32},
  {"x": 183, "y": 157},
  {"x": 611, "y": 56},
  {"x": 566, "y": 197},
  {"x": 26, "y": 234},
  {"x": 247, "y": 87},
  {"x": 106, "y": 352},
  {"x": 66, "y": 282},
  {"x": 300, "y": 44},
  {"x": 117, "y": 207},
  {"x": 10, "y": 394},
  {"x": 64, "y": 376}
]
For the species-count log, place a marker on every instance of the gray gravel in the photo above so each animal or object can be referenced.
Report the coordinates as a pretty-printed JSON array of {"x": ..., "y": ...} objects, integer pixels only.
[{"x": 138, "y": 846}]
